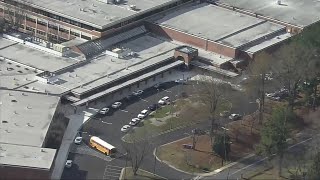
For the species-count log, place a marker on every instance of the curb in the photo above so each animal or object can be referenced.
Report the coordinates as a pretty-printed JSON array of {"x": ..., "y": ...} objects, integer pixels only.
[
  {"x": 121, "y": 174},
  {"x": 168, "y": 164},
  {"x": 161, "y": 133},
  {"x": 199, "y": 175}
]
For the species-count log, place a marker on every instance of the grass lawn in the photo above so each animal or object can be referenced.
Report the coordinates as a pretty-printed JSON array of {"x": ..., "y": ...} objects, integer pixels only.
[
  {"x": 184, "y": 113},
  {"x": 192, "y": 161},
  {"x": 141, "y": 175},
  {"x": 162, "y": 112}
]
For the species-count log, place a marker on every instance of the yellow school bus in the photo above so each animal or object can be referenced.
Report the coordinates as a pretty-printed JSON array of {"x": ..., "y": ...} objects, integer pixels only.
[{"x": 102, "y": 146}]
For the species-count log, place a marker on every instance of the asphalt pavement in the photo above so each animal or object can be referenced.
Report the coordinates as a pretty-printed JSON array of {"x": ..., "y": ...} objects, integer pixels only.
[{"x": 89, "y": 165}]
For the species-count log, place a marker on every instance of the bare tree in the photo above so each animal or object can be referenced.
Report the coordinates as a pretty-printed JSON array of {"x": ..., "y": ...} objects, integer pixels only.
[
  {"x": 15, "y": 16},
  {"x": 292, "y": 64},
  {"x": 212, "y": 94},
  {"x": 258, "y": 71},
  {"x": 136, "y": 151}
]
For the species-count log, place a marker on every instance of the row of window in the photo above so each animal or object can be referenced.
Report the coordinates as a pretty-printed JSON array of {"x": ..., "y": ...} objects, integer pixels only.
[
  {"x": 47, "y": 14},
  {"x": 69, "y": 21}
]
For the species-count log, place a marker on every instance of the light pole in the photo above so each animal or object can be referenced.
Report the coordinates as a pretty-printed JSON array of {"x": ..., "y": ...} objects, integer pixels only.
[{"x": 224, "y": 142}]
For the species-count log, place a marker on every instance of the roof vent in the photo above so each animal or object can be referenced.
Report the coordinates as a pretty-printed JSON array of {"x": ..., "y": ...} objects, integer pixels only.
[
  {"x": 279, "y": 2},
  {"x": 133, "y": 7},
  {"x": 42, "y": 150},
  {"x": 29, "y": 125}
]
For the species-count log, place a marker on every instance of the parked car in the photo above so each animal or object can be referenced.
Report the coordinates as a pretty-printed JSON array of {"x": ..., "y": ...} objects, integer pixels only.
[
  {"x": 144, "y": 113},
  {"x": 134, "y": 121},
  {"x": 165, "y": 100},
  {"x": 68, "y": 163},
  {"x": 137, "y": 93},
  {"x": 130, "y": 97},
  {"x": 153, "y": 107},
  {"x": 235, "y": 117},
  {"x": 116, "y": 105},
  {"x": 224, "y": 114},
  {"x": 157, "y": 86},
  {"x": 125, "y": 128},
  {"x": 104, "y": 110},
  {"x": 180, "y": 81},
  {"x": 275, "y": 98},
  {"x": 78, "y": 140}
]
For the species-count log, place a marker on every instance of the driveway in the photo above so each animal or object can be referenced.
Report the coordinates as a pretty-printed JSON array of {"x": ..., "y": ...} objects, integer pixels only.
[{"x": 94, "y": 165}]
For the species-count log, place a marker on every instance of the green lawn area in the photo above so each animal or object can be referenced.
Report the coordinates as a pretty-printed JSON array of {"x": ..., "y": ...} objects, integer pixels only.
[
  {"x": 162, "y": 112},
  {"x": 141, "y": 175},
  {"x": 184, "y": 113}
]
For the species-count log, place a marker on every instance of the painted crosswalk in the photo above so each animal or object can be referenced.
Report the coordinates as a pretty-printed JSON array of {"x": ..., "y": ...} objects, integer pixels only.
[{"x": 112, "y": 172}]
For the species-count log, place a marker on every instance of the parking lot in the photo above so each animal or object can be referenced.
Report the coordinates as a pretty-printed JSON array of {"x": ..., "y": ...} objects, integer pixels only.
[{"x": 94, "y": 165}]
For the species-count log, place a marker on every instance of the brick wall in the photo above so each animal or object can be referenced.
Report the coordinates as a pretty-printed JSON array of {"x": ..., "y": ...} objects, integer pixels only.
[
  {"x": 191, "y": 40},
  {"x": 15, "y": 173}
]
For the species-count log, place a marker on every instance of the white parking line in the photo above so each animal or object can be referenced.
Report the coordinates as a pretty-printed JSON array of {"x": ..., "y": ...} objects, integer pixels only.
[
  {"x": 124, "y": 110},
  {"x": 106, "y": 122},
  {"x": 167, "y": 91}
]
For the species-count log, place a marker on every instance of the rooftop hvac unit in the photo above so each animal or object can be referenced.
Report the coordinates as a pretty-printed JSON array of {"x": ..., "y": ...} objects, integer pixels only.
[
  {"x": 117, "y": 1},
  {"x": 279, "y": 2},
  {"x": 133, "y": 7}
]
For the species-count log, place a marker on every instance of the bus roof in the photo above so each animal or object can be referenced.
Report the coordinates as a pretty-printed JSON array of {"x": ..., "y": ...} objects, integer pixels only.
[{"x": 102, "y": 142}]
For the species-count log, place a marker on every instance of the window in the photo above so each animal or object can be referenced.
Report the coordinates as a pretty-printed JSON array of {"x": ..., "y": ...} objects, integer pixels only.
[
  {"x": 30, "y": 19},
  {"x": 63, "y": 30},
  {"x": 85, "y": 37},
  {"x": 41, "y": 32},
  {"x": 42, "y": 23},
  {"x": 30, "y": 29},
  {"x": 53, "y": 27},
  {"x": 74, "y": 33}
]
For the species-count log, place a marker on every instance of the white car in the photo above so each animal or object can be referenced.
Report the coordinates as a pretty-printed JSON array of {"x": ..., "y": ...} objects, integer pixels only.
[
  {"x": 143, "y": 114},
  {"x": 116, "y": 105},
  {"x": 180, "y": 81},
  {"x": 78, "y": 140},
  {"x": 269, "y": 95},
  {"x": 134, "y": 121},
  {"x": 137, "y": 93},
  {"x": 68, "y": 164},
  {"x": 235, "y": 117},
  {"x": 104, "y": 110},
  {"x": 165, "y": 100},
  {"x": 125, "y": 128}
]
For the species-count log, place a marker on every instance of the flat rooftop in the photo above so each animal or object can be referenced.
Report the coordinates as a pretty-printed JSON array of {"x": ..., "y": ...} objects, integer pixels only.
[
  {"x": 297, "y": 12},
  {"x": 96, "y": 13},
  {"x": 27, "y": 156},
  {"x": 35, "y": 58},
  {"x": 25, "y": 117},
  {"x": 95, "y": 73},
  {"x": 218, "y": 24},
  {"x": 267, "y": 43}
]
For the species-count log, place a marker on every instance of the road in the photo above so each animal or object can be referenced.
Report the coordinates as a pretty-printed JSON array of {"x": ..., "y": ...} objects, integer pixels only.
[
  {"x": 305, "y": 142},
  {"x": 90, "y": 164}
]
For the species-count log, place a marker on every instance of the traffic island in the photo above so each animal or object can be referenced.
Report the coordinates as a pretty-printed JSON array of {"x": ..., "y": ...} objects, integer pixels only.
[
  {"x": 201, "y": 159},
  {"x": 179, "y": 114},
  {"x": 127, "y": 174}
]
